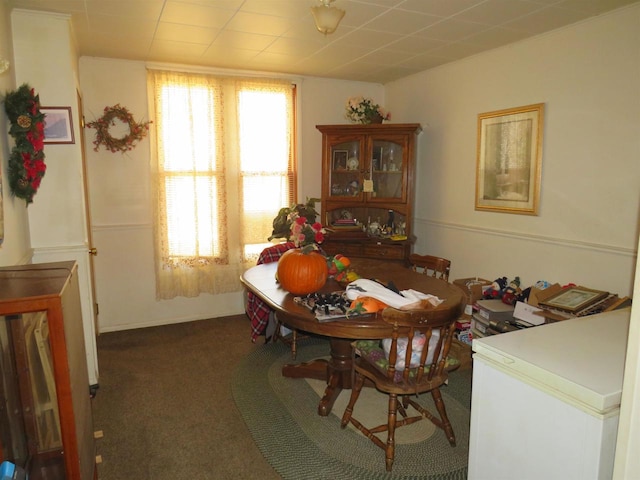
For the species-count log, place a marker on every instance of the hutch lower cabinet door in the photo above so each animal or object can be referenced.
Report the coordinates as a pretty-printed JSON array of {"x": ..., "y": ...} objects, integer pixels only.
[{"x": 46, "y": 423}]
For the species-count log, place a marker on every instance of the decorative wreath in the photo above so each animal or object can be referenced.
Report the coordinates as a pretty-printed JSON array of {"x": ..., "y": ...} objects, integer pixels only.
[
  {"x": 26, "y": 162},
  {"x": 137, "y": 131}
]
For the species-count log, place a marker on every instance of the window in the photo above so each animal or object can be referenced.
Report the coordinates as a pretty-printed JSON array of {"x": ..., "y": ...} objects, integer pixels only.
[{"x": 223, "y": 166}]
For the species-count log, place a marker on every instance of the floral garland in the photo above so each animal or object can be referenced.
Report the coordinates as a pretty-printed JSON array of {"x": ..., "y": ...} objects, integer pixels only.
[
  {"x": 137, "y": 131},
  {"x": 26, "y": 162}
]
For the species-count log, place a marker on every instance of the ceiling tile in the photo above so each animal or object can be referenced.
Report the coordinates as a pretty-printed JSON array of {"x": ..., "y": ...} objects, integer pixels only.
[
  {"x": 173, "y": 49},
  {"x": 456, "y": 50},
  {"x": 545, "y": 20},
  {"x": 180, "y": 32},
  {"x": 363, "y": 37},
  {"x": 293, "y": 46},
  {"x": 358, "y": 14},
  {"x": 195, "y": 14},
  {"x": 495, "y": 12},
  {"x": 415, "y": 44},
  {"x": 117, "y": 25},
  {"x": 386, "y": 57},
  {"x": 230, "y": 55},
  {"x": 439, "y": 8},
  {"x": 261, "y": 24},
  {"x": 592, "y": 7},
  {"x": 495, "y": 37},
  {"x": 280, "y": 35},
  {"x": 124, "y": 46},
  {"x": 424, "y": 62},
  {"x": 150, "y": 9},
  {"x": 246, "y": 41},
  {"x": 279, "y": 8},
  {"x": 401, "y": 22},
  {"x": 451, "y": 30}
]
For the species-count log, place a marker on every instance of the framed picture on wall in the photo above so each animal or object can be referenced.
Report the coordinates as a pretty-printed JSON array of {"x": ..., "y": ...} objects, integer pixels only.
[
  {"x": 58, "y": 127},
  {"x": 509, "y": 160}
]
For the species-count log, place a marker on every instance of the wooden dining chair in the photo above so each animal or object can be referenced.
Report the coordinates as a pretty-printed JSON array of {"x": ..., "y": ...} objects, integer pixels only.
[
  {"x": 430, "y": 265},
  {"x": 427, "y": 371}
]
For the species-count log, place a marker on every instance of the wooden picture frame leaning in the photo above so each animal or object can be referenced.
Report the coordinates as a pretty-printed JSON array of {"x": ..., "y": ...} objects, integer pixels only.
[
  {"x": 574, "y": 299},
  {"x": 509, "y": 160}
]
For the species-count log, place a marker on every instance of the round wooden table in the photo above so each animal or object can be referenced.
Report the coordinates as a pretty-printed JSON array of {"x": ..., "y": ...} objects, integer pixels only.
[{"x": 336, "y": 371}]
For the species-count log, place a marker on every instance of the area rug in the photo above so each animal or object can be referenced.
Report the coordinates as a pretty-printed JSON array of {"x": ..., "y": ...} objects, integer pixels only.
[{"x": 281, "y": 414}]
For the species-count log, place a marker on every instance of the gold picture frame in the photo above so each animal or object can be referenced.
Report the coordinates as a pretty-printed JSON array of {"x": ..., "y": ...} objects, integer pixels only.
[{"x": 509, "y": 160}]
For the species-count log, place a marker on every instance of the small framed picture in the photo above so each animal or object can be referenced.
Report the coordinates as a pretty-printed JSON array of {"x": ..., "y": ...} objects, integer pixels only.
[
  {"x": 58, "y": 127},
  {"x": 340, "y": 159},
  {"x": 574, "y": 299}
]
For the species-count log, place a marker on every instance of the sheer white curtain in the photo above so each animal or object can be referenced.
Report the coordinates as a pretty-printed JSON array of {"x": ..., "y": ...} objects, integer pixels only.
[{"x": 222, "y": 166}]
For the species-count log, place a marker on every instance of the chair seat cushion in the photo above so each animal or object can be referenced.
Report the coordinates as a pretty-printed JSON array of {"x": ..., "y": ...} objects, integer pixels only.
[{"x": 371, "y": 351}]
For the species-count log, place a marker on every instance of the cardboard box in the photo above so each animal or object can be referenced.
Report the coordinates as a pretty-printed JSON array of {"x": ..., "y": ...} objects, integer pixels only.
[
  {"x": 536, "y": 295},
  {"x": 473, "y": 288},
  {"x": 494, "y": 309}
]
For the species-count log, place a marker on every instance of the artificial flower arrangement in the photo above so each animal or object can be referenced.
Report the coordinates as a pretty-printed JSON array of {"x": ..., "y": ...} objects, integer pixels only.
[
  {"x": 305, "y": 235},
  {"x": 364, "y": 110},
  {"x": 26, "y": 162},
  {"x": 283, "y": 222},
  {"x": 301, "y": 270}
]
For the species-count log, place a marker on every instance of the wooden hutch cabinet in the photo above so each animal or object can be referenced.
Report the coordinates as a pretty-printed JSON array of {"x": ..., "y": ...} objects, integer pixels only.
[
  {"x": 46, "y": 423},
  {"x": 368, "y": 189}
]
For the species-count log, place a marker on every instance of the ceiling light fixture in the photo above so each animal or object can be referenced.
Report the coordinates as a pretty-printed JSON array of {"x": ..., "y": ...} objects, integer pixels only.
[{"x": 327, "y": 17}]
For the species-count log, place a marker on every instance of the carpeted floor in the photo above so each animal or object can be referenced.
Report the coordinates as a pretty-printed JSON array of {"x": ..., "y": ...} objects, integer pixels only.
[
  {"x": 165, "y": 404},
  {"x": 281, "y": 415}
]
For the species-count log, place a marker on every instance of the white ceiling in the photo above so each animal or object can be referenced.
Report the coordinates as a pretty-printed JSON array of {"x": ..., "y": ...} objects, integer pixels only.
[{"x": 377, "y": 40}]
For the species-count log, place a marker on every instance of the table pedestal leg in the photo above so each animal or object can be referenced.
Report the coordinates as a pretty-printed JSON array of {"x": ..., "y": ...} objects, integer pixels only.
[{"x": 336, "y": 372}]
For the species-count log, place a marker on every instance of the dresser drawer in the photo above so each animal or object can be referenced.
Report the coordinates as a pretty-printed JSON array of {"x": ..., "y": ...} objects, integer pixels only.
[
  {"x": 392, "y": 252},
  {"x": 347, "y": 249}
]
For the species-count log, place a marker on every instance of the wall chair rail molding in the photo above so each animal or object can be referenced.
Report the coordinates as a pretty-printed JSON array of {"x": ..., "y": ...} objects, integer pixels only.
[
  {"x": 563, "y": 242},
  {"x": 120, "y": 227}
]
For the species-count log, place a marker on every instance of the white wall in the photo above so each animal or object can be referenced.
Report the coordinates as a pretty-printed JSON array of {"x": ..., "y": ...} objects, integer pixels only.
[
  {"x": 16, "y": 245},
  {"x": 322, "y": 101},
  {"x": 58, "y": 230},
  {"x": 586, "y": 232},
  {"x": 48, "y": 62},
  {"x": 120, "y": 203}
]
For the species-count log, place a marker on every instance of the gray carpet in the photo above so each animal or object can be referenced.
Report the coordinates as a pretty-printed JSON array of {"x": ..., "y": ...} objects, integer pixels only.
[{"x": 299, "y": 444}]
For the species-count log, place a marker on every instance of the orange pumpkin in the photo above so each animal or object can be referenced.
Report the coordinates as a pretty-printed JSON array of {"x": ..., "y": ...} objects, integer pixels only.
[{"x": 302, "y": 273}]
